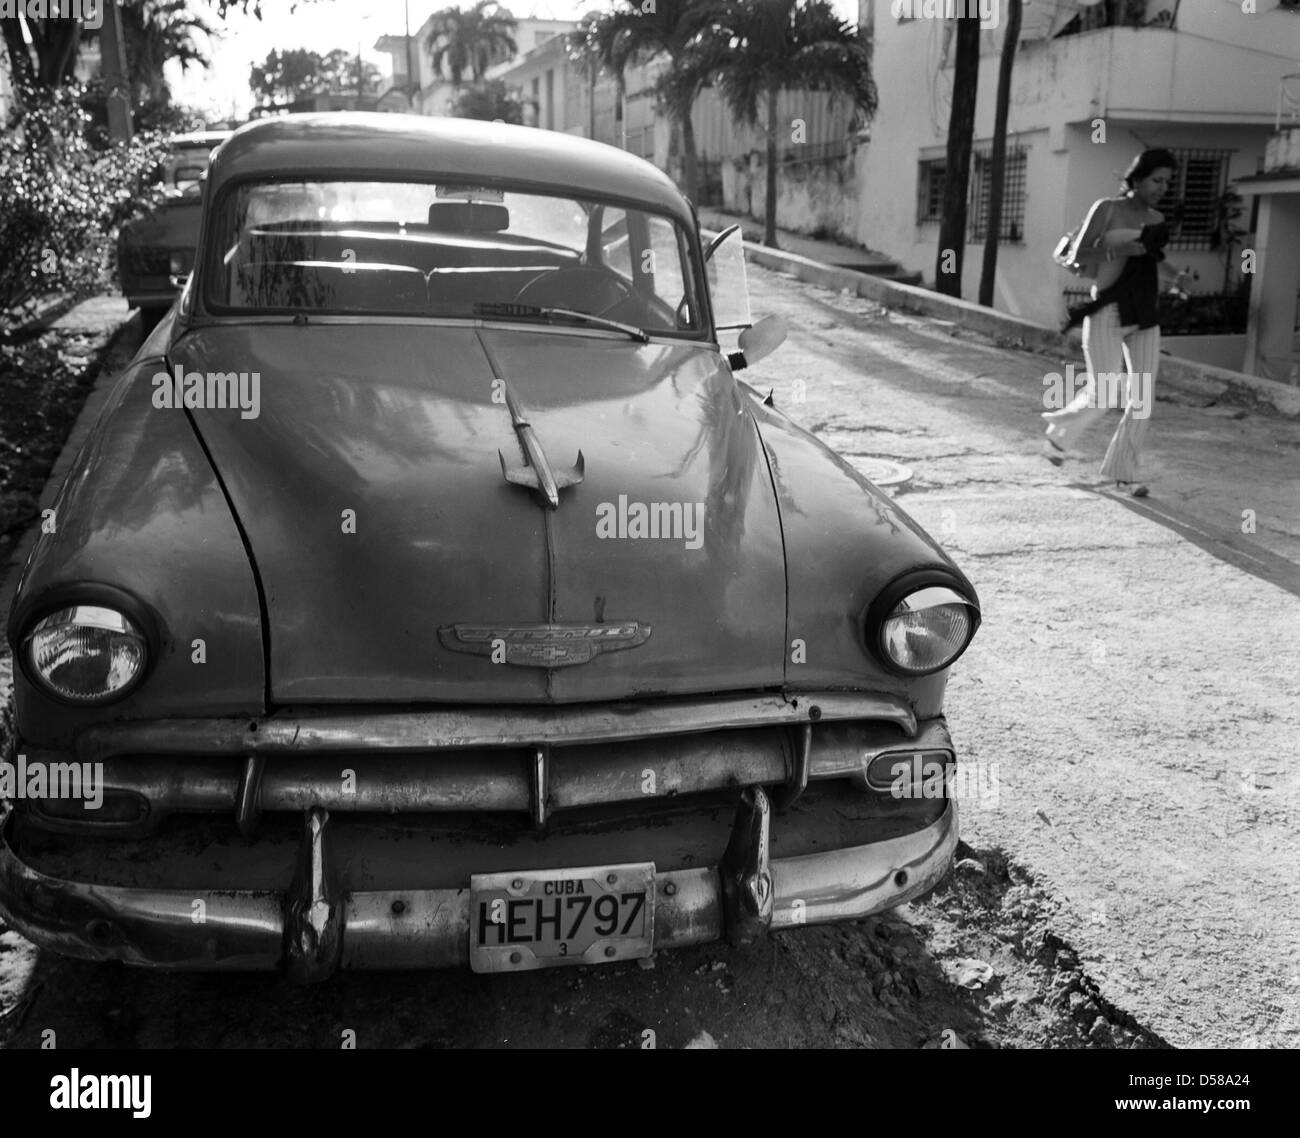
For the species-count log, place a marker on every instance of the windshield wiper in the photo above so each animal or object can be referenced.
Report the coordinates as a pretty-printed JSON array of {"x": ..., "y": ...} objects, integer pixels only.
[{"x": 512, "y": 309}]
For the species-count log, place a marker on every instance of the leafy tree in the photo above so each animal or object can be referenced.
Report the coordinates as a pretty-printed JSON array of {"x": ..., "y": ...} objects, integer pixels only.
[
  {"x": 338, "y": 73},
  {"x": 956, "y": 175},
  {"x": 153, "y": 32},
  {"x": 638, "y": 31},
  {"x": 471, "y": 40},
  {"x": 285, "y": 76},
  {"x": 758, "y": 48},
  {"x": 998, "y": 159},
  {"x": 492, "y": 101},
  {"x": 54, "y": 42},
  {"x": 62, "y": 198},
  {"x": 51, "y": 57}
]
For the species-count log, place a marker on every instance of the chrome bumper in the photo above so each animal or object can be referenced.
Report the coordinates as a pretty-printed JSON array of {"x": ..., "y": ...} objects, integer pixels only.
[{"x": 313, "y": 929}]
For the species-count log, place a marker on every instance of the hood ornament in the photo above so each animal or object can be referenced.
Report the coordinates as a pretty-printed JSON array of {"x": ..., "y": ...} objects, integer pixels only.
[
  {"x": 543, "y": 645},
  {"x": 536, "y": 472}
]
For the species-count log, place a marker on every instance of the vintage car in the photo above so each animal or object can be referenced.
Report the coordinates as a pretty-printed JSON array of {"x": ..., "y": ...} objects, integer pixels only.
[
  {"x": 156, "y": 252},
  {"x": 432, "y": 593}
]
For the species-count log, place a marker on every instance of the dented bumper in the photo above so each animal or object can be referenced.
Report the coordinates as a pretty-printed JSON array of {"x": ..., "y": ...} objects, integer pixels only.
[{"x": 317, "y": 926}]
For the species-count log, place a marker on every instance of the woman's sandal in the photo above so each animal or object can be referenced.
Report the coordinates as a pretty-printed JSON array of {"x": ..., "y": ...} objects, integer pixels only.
[
  {"x": 1053, "y": 452},
  {"x": 1135, "y": 489}
]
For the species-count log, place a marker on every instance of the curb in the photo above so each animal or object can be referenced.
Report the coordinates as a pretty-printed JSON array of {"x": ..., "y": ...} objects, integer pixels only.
[{"x": 1200, "y": 381}]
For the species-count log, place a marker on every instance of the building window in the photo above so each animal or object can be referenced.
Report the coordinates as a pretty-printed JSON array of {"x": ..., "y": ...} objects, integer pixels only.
[
  {"x": 1013, "y": 197},
  {"x": 929, "y": 197},
  {"x": 929, "y": 191},
  {"x": 1192, "y": 202}
]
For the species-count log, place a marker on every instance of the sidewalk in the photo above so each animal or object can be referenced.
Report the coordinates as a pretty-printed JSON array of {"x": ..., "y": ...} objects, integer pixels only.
[
  {"x": 839, "y": 267},
  {"x": 825, "y": 252}
]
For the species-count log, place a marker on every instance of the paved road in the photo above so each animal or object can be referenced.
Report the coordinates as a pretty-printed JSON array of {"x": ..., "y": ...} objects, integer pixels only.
[{"x": 1133, "y": 698}]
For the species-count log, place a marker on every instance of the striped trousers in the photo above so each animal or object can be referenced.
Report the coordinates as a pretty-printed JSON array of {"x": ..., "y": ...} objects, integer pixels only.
[{"x": 1108, "y": 349}]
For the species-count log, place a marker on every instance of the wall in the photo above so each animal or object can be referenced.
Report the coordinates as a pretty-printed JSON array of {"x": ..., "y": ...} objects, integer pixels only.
[{"x": 814, "y": 197}]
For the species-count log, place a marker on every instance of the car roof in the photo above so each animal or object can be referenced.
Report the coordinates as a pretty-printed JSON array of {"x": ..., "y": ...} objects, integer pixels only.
[
  {"x": 380, "y": 146},
  {"x": 200, "y": 138}
]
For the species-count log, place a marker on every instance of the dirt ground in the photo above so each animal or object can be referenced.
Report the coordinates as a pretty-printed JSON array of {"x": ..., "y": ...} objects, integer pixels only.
[{"x": 976, "y": 965}]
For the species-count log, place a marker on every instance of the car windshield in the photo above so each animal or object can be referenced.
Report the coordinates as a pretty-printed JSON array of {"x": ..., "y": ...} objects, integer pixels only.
[{"x": 448, "y": 250}]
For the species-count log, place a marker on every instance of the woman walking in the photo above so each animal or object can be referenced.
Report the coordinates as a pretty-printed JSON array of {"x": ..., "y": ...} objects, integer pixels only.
[{"x": 1122, "y": 241}]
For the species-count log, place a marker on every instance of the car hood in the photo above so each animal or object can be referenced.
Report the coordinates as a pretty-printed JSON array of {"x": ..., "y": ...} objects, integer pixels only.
[{"x": 397, "y": 562}]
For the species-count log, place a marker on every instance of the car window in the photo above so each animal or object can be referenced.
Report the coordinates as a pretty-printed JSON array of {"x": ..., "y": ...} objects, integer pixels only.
[
  {"x": 615, "y": 248},
  {"x": 446, "y": 249},
  {"x": 665, "y": 264}
]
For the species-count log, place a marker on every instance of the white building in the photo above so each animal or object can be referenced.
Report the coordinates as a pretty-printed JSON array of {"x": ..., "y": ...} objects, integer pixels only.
[
  {"x": 433, "y": 92},
  {"x": 1088, "y": 94}
]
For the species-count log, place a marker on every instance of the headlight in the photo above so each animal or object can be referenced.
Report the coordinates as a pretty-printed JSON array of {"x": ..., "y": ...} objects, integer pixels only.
[
  {"x": 926, "y": 630},
  {"x": 86, "y": 654}
]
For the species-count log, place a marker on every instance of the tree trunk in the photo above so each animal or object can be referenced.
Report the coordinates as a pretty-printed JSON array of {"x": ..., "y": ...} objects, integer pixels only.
[
  {"x": 998, "y": 160},
  {"x": 769, "y": 206},
  {"x": 956, "y": 179},
  {"x": 117, "y": 88},
  {"x": 56, "y": 50},
  {"x": 690, "y": 163},
  {"x": 20, "y": 59}
]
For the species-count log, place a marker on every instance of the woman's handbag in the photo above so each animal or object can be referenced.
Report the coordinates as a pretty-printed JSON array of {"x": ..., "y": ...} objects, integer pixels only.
[{"x": 1067, "y": 248}]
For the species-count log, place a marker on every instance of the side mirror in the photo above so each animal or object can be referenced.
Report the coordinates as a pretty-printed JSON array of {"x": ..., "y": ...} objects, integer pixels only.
[{"x": 758, "y": 341}]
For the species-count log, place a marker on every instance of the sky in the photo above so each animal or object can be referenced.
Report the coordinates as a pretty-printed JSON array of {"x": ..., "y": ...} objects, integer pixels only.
[{"x": 222, "y": 92}]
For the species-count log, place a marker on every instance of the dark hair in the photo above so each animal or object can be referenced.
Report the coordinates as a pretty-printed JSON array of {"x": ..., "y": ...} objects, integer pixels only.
[{"x": 1147, "y": 163}]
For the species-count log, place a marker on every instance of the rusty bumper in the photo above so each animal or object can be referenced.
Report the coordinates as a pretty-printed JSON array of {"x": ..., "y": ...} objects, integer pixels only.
[{"x": 314, "y": 928}]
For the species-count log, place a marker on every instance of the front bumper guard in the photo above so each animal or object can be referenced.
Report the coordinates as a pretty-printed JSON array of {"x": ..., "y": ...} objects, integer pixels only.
[{"x": 315, "y": 928}]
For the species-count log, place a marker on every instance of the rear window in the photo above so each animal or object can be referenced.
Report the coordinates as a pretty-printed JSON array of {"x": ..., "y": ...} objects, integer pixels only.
[{"x": 447, "y": 250}]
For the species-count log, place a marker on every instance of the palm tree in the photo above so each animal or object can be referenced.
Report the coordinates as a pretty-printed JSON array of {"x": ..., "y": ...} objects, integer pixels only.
[
  {"x": 762, "y": 47},
  {"x": 471, "y": 40},
  {"x": 998, "y": 159},
  {"x": 155, "y": 31},
  {"x": 956, "y": 174},
  {"x": 631, "y": 35}
]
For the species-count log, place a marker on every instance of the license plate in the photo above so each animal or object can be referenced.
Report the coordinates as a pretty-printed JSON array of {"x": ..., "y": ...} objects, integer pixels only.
[{"x": 543, "y": 918}]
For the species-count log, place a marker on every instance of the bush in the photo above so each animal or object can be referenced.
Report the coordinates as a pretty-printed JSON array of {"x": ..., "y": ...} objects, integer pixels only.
[{"x": 62, "y": 199}]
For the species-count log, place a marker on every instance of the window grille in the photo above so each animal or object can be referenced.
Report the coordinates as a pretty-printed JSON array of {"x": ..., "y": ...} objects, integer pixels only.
[
  {"x": 1013, "y": 196},
  {"x": 929, "y": 191},
  {"x": 1192, "y": 202},
  {"x": 929, "y": 204}
]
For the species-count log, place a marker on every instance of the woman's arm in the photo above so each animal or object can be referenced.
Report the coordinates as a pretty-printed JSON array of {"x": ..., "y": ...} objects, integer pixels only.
[{"x": 1087, "y": 248}]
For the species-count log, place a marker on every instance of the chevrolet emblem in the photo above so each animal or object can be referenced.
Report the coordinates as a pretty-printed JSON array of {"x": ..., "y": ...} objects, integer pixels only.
[{"x": 543, "y": 645}]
